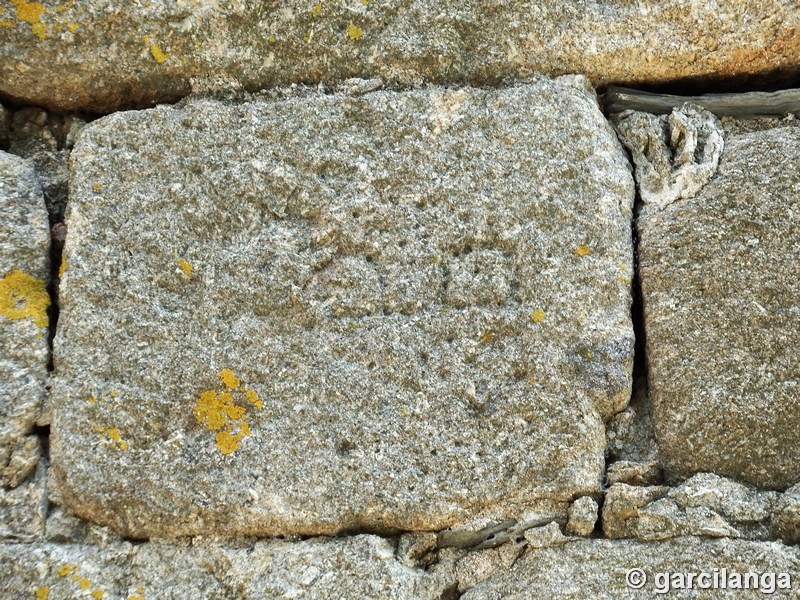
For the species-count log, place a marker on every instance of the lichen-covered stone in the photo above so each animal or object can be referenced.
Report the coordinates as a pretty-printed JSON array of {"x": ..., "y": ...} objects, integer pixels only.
[
  {"x": 100, "y": 55},
  {"x": 719, "y": 275},
  {"x": 599, "y": 568},
  {"x": 786, "y": 516},
  {"x": 24, "y": 270},
  {"x": 356, "y": 567},
  {"x": 397, "y": 310}
]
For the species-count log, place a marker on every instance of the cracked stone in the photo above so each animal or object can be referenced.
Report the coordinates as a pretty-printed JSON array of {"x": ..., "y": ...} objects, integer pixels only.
[
  {"x": 786, "y": 516},
  {"x": 675, "y": 155},
  {"x": 634, "y": 473},
  {"x": 719, "y": 275},
  {"x": 283, "y": 344}
]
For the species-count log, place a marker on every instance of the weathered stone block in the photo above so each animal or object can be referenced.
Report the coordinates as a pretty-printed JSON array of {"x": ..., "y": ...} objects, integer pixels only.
[
  {"x": 395, "y": 311},
  {"x": 720, "y": 277},
  {"x": 102, "y": 56},
  {"x": 602, "y": 569},
  {"x": 24, "y": 270}
]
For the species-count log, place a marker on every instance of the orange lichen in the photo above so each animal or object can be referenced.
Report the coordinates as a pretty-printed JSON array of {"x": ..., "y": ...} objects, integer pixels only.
[
  {"x": 6, "y": 23},
  {"x": 24, "y": 297},
  {"x": 354, "y": 32},
  {"x": 537, "y": 316},
  {"x": 229, "y": 379},
  {"x": 532, "y": 381},
  {"x": 582, "y": 250},
  {"x": 185, "y": 266}
]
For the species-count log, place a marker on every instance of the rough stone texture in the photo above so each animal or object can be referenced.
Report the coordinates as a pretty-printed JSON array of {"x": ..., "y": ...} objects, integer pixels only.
[
  {"x": 629, "y": 433},
  {"x": 786, "y": 516},
  {"x": 582, "y": 516},
  {"x": 5, "y": 117},
  {"x": 675, "y": 155},
  {"x": 24, "y": 268},
  {"x": 598, "y": 568},
  {"x": 705, "y": 505},
  {"x": 23, "y": 508},
  {"x": 357, "y": 567},
  {"x": 634, "y": 473},
  {"x": 429, "y": 292},
  {"x": 719, "y": 277},
  {"x": 101, "y": 55},
  {"x": 46, "y": 140}
]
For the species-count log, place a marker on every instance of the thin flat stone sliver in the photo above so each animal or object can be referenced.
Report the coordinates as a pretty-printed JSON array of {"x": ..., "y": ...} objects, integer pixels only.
[{"x": 744, "y": 105}]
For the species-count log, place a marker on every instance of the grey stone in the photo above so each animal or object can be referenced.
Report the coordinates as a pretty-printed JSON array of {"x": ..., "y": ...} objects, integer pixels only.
[
  {"x": 705, "y": 505},
  {"x": 426, "y": 290},
  {"x": 24, "y": 269},
  {"x": 621, "y": 507},
  {"x": 582, "y": 516},
  {"x": 598, "y": 569},
  {"x": 629, "y": 433},
  {"x": 357, "y": 567},
  {"x": 548, "y": 535},
  {"x": 22, "y": 510},
  {"x": 786, "y": 516},
  {"x": 634, "y": 473},
  {"x": 101, "y": 56},
  {"x": 721, "y": 303},
  {"x": 42, "y": 138},
  {"x": 675, "y": 155},
  {"x": 5, "y": 118}
]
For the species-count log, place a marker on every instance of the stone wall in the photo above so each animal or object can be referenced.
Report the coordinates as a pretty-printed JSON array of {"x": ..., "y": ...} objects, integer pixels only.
[{"x": 383, "y": 300}]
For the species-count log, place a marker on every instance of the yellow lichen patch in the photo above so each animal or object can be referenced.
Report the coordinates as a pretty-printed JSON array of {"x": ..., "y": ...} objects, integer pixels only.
[
  {"x": 84, "y": 584},
  {"x": 532, "y": 381},
  {"x": 537, "y": 316},
  {"x": 30, "y": 12},
  {"x": 252, "y": 396},
  {"x": 582, "y": 250},
  {"x": 73, "y": 27},
  {"x": 229, "y": 379},
  {"x": 113, "y": 435},
  {"x": 623, "y": 279},
  {"x": 272, "y": 39},
  {"x": 65, "y": 570},
  {"x": 91, "y": 399},
  {"x": 97, "y": 594},
  {"x": 39, "y": 30},
  {"x": 354, "y": 32},
  {"x": 63, "y": 266},
  {"x": 158, "y": 53},
  {"x": 6, "y": 23},
  {"x": 185, "y": 266},
  {"x": 316, "y": 9},
  {"x": 96, "y": 187},
  {"x": 24, "y": 297},
  {"x": 42, "y": 593},
  {"x": 219, "y": 412}
]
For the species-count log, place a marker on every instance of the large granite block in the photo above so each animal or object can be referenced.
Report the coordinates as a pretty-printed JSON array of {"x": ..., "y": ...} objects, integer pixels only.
[
  {"x": 101, "y": 56},
  {"x": 393, "y": 311}
]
